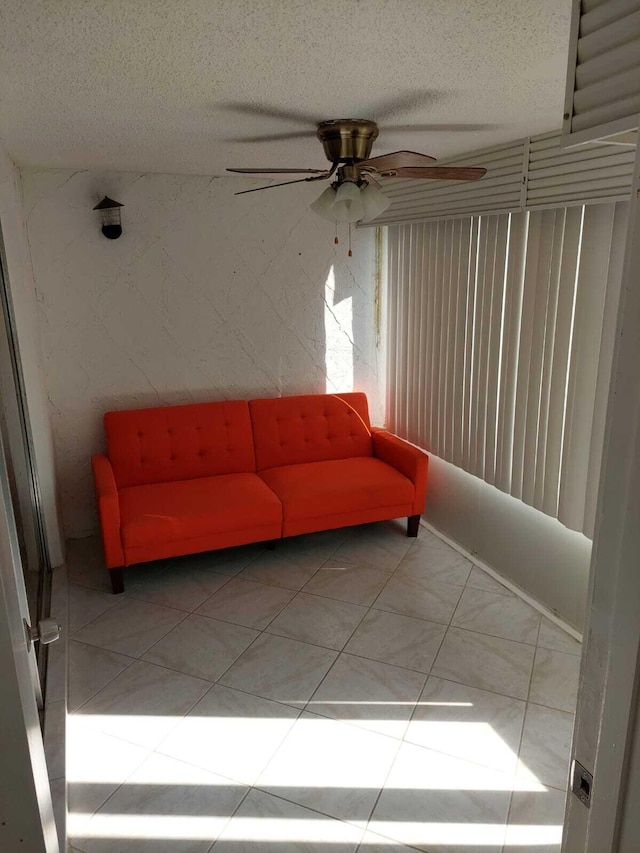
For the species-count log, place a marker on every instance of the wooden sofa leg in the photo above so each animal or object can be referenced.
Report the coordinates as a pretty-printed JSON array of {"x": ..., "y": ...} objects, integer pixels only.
[
  {"x": 413, "y": 523},
  {"x": 117, "y": 579},
  {"x": 271, "y": 545}
]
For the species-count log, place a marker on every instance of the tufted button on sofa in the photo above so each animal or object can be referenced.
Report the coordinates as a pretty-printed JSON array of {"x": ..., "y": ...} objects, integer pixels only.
[{"x": 184, "y": 479}]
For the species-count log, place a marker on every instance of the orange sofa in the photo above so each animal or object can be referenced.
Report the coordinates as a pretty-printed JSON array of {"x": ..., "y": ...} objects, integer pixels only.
[{"x": 183, "y": 479}]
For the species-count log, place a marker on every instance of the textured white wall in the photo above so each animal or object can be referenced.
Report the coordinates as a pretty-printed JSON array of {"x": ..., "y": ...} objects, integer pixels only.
[
  {"x": 205, "y": 296},
  {"x": 23, "y": 296}
]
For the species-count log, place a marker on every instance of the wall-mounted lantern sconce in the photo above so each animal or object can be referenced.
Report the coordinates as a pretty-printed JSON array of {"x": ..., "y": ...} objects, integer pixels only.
[{"x": 110, "y": 212}]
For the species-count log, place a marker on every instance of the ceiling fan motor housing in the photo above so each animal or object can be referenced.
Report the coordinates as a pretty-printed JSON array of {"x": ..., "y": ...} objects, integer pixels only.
[{"x": 348, "y": 139}]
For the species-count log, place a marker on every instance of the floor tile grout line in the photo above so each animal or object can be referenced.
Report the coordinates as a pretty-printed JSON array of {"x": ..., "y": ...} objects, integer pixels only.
[
  {"x": 254, "y": 627},
  {"x": 324, "y": 598},
  {"x": 345, "y": 651},
  {"x": 317, "y": 811},
  {"x": 231, "y": 816},
  {"x": 383, "y": 786},
  {"x": 550, "y": 708},
  {"x": 181, "y": 718},
  {"x": 149, "y": 663},
  {"x": 515, "y": 598},
  {"x": 175, "y": 607},
  {"x": 124, "y": 601},
  {"x": 431, "y": 621},
  {"x": 248, "y": 581},
  {"x": 155, "y": 642},
  {"x": 322, "y": 680},
  {"x": 524, "y": 722},
  {"x": 265, "y": 790},
  {"x": 465, "y": 683},
  {"x": 493, "y": 636},
  {"x": 106, "y": 610},
  {"x": 373, "y": 603},
  {"x": 211, "y": 681},
  {"x": 70, "y": 712},
  {"x": 487, "y": 634}
]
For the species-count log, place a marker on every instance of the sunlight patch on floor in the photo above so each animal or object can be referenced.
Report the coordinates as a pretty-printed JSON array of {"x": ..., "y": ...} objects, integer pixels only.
[
  {"x": 441, "y": 773},
  {"x": 321, "y": 831}
]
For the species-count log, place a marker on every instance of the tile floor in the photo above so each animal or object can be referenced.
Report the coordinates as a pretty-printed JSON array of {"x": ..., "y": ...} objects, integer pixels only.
[{"x": 352, "y": 691}]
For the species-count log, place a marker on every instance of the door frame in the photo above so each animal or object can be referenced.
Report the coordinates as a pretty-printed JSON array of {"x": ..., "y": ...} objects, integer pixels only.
[
  {"x": 606, "y": 716},
  {"x": 26, "y": 811}
]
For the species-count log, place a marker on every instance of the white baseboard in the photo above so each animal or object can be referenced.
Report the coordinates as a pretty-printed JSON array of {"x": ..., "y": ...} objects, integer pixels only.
[{"x": 515, "y": 589}]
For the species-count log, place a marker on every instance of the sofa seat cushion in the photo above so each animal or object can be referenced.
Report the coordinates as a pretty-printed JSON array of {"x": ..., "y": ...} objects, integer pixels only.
[
  {"x": 313, "y": 489},
  {"x": 189, "y": 509}
]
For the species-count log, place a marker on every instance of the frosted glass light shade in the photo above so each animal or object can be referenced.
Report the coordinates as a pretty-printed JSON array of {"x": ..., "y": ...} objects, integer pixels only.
[
  {"x": 348, "y": 205},
  {"x": 374, "y": 202},
  {"x": 323, "y": 205}
]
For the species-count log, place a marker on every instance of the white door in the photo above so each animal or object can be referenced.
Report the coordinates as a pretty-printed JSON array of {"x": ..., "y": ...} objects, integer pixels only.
[{"x": 26, "y": 814}]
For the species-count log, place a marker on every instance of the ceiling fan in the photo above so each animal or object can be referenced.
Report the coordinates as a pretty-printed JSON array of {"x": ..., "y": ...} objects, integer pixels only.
[{"x": 355, "y": 193}]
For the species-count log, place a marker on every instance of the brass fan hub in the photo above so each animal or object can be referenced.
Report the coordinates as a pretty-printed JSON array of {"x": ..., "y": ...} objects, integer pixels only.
[{"x": 347, "y": 139}]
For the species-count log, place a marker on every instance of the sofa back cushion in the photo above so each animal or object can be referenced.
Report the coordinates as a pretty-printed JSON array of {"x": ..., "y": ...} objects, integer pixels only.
[
  {"x": 179, "y": 442},
  {"x": 310, "y": 428}
]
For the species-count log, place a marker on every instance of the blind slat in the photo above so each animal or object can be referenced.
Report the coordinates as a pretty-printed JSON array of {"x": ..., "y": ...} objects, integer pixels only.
[
  {"x": 464, "y": 277},
  {"x": 562, "y": 340},
  {"x": 493, "y": 356},
  {"x": 550, "y": 335},
  {"x": 468, "y": 345},
  {"x": 583, "y": 366},
  {"x": 514, "y": 285},
  {"x": 540, "y": 286},
  {"x": 614, "y": 281}
]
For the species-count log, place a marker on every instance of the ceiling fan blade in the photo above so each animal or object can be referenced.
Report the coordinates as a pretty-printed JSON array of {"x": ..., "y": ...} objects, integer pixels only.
[
  {"x": 397, "y": 160},
  {"x": 271, "y": 186},
  {"x": 280, "y": 171},
  {"x": 271, "y": 112},
  {"x": 398, "y": 104},
  {"x": 428, "y": 128},
  {"x": 273, "y": 137},
  {"x": 441, "y": 173}
]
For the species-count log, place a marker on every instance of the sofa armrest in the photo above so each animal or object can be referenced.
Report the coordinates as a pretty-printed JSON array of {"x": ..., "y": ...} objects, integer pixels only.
[
  {"x": 404, "y": 457},
  {"x": 108, "y": 510}
]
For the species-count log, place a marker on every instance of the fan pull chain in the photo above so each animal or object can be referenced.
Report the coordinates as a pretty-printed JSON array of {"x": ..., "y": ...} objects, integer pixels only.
[
  {"x": 350, "y": 252},
  {"x": 336, "y": 241}
]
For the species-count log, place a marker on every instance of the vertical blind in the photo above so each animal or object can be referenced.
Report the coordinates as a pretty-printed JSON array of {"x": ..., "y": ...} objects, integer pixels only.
[{"x": 501, "y": 332}]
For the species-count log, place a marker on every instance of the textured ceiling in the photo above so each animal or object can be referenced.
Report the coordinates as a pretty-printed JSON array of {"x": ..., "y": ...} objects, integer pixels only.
[{"x": 156, "y": 85}]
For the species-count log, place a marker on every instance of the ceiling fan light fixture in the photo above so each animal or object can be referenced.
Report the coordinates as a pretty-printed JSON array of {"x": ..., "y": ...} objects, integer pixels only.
[
  {"x": 340, "y": 204},
  {"x": 374, "y": 202}
]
